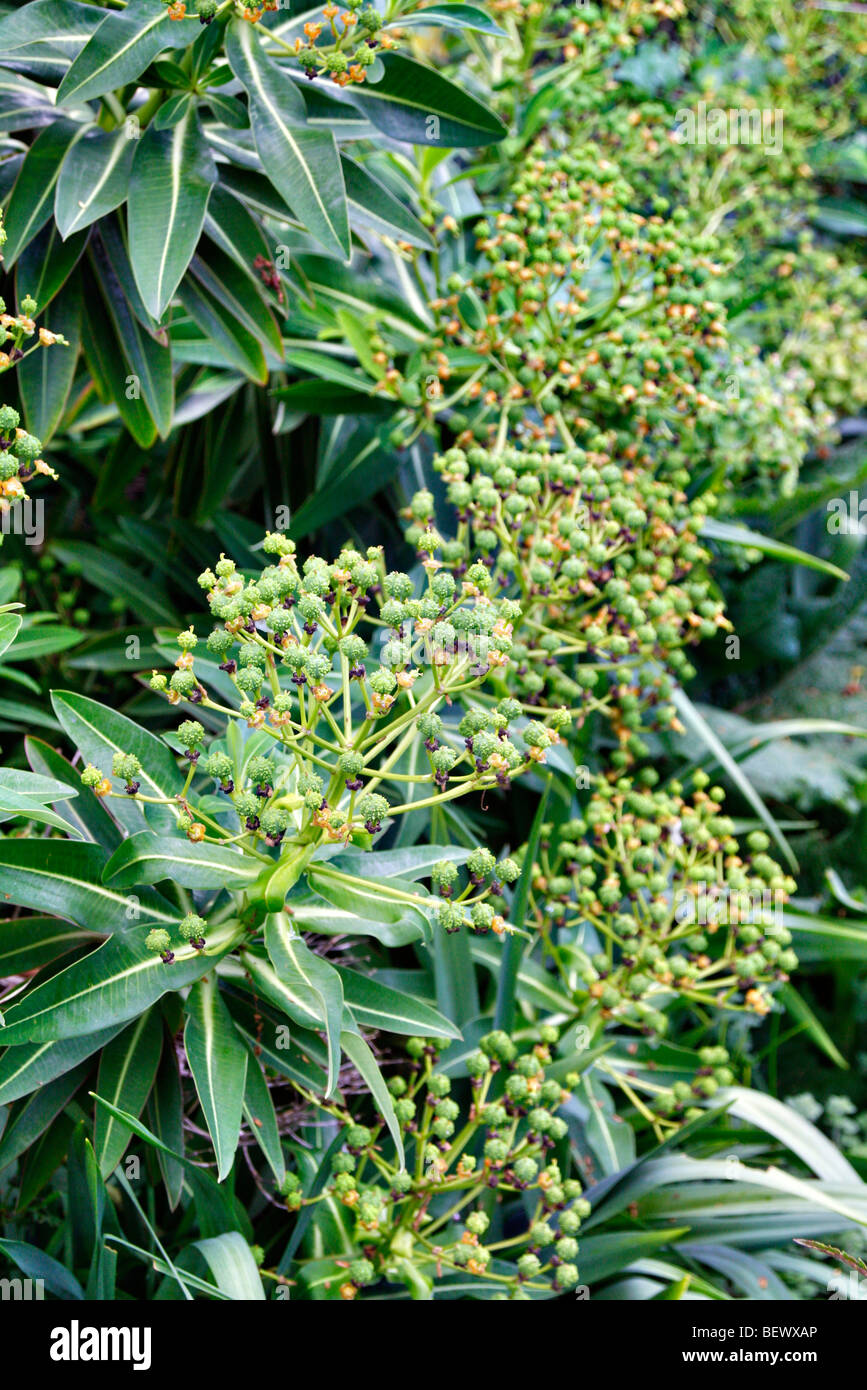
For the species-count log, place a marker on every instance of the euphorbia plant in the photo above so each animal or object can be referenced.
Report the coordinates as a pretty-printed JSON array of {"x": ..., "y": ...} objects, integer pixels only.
[{"x": 264, "y": 835}]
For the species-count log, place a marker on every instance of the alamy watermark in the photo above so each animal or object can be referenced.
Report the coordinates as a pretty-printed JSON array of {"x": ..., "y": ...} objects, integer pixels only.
[
  {"x": 25, "y": 518},
  {"x": 740, "y": 125},
  {"x": 22, "y": 1290}
]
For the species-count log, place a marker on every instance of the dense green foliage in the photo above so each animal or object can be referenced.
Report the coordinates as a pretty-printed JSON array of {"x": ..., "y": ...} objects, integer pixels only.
[{"x": 432, "y": 611}]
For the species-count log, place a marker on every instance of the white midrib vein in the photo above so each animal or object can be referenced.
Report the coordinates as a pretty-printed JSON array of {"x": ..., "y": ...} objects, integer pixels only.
[
  {"x": 122, "y": 1075},
  {"x": 246, "y": 41},
  {"x": 118, "y": 53},
  {"x": 120, "y": 898},
  {"x": 120, "y": 148},
  {"x": 144, "y": 776},
  {"x": 178, "y": 139}
]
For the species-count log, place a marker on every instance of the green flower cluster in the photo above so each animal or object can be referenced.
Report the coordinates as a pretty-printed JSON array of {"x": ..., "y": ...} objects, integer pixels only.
[
  {"x": 603, "y": 556},
  {"x": 334, "y": 717},
  {"x": 434, "y": 1218},
  {"x": 675, "y": 907},
  {"x": 583, "y": 314}
]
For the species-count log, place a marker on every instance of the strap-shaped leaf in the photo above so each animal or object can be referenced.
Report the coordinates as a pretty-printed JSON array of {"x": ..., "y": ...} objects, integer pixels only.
[
  {"x": 127, "y": 1069},
  {"x": 107, "y": 361},
  {"x": 48, "y": 33},
  {"x": 25, "y": 1069},
  {"x": 93, "y": 180},
  {"x": 374, "y": 205},
  {"x": 231, "y": 1262},
  {"x": 32, "y": 200},
  {"x": 262, "y": 1118},
  {"x": 99, "y": 733},
  {"x": 120, "y": 49},
  {"x": 112, "y": 984},
  {"x": 64, "y": 877},
  {"x": 415, "y": 103},
  {"x": 392, "y": 900},
  {"x": 375, "y": 1005},
  {"x": 363, "y": 1060},
  {"x": 149, "y": 858},
  {"x": 150, "y": 361},
  {"x": 315, "y": 914},
  {"x": 34, "y": 1116},
  {"x": 218, "y": 1061},
  {"x": 223, "y": 332},
  {"x": 453, "y": 17},
  {"x": 166, "y": 1114},
  {"x": 313, "y": 978},
  {"x": 303, "y": 164},
  {"x": 45, "y": 378},
  {"x": 26, "y": 943},
  {"x": 172, "y": 175}
]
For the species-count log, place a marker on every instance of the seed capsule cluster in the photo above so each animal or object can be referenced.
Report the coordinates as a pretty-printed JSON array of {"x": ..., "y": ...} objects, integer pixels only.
[
  {"x": 676, "y": 906},
  {"x": 604, "y": 558},
  {"x": 587, "y": 314},
  {"x": 335, "y": 718},
  {"x": 435, "y": 1218}
]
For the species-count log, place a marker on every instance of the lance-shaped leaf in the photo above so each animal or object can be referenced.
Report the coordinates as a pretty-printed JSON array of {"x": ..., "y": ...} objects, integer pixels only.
[
  {"x": 149, "y": 858},
  {"x": 452, "y": 17},
  {"x": 364, "y": 1062},
  {"x": 64, "y": 877},
  {"x": 111, "y": 985},
  {"x": 391, "y": 900},
  {"x": 93, "y": 180},
  {"x": 374, "y": 1005},
  {"x": 231, "y": 1262},
  {"x": 26, "y": 943},
  {"x": 415, "y": 103},
  {"x": 86, "y": 812},
  {"x": 110, "y": 370},
  {"x": 171, "y": 180},
  {"x": 45, "y": 378},
  {"x": 303, "y": 164},
  {"x": 99, "y": 732},
  {"x": 218, "y": 1061},
  {"x": 44, "y": 267},
  {"x": 32, "y": 199},
  {"x": 35, "y": 1264},
  {"x": 223, "y": 331},
  {"x": 127, "y": 1069},
  {"x": 120, "y": 50},
  {"x": 314, "y": 914},
  {"x": 374, "y": 205},
  {"x": 25, "y": 1069},
  {"x": 150, "y": 361},
  {"x": 166, "y": 1114},
  {"x": 47, "y": 33},
  {"x": 261, "y": 1117},
  {"x": 34, "y": 1116},
  {"x": 313, "y": 978}
]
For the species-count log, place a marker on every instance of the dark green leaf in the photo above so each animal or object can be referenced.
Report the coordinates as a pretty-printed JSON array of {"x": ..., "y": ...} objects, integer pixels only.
[{"x": 171, "y": 180}]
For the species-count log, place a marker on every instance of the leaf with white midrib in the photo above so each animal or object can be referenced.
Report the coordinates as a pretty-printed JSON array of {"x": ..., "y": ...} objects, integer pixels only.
[
  {"x": 41, "y": 865},
  {"x": 121, "y": 36},
  {"x": 128, "y": 1065},
  {"x": 149, "y": 858},
  {"x": 77, "y": 206},
  {"x": 218, "y": 1061},
  {"x": 73, "y": 710},
  {"x": 113, "y": 984},
  {"x": 293, "y": 960},
  {"x": 256, "y": 71}
]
